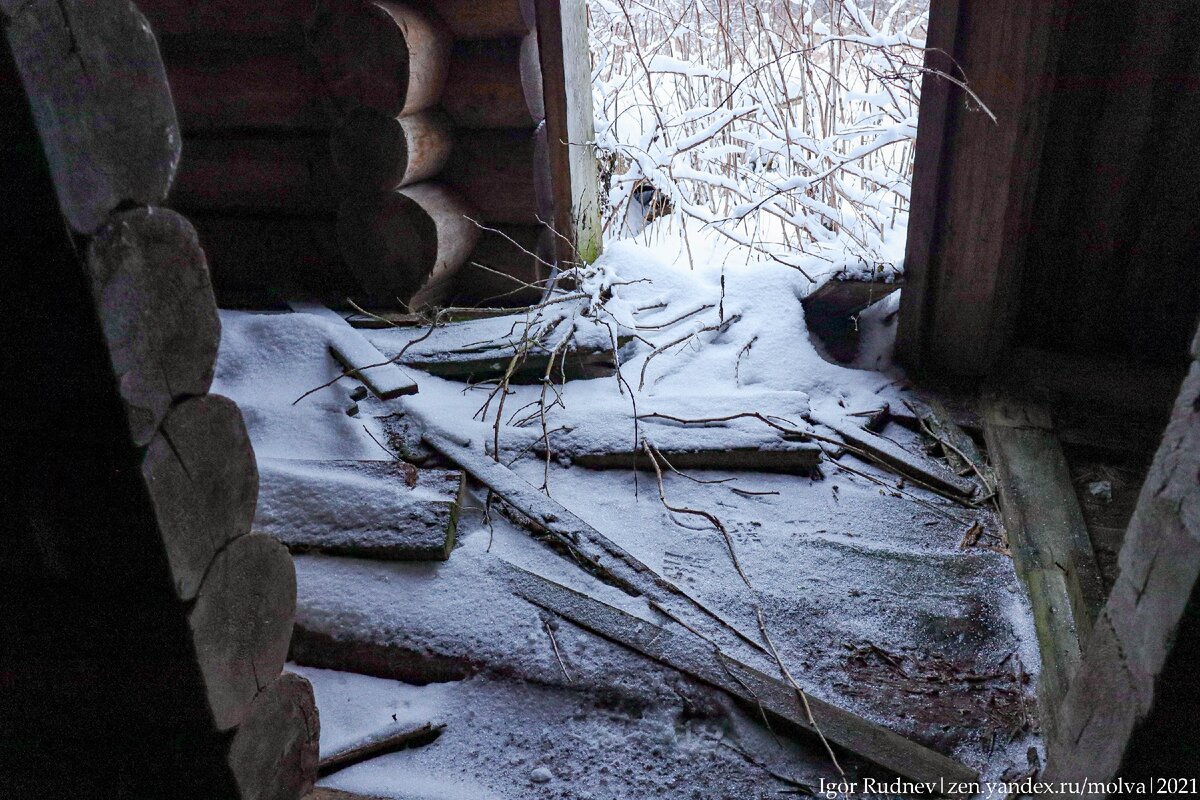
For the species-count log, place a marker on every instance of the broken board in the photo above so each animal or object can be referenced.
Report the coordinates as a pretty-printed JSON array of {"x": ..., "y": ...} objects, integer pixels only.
[
  {"x": 363, "y": 509},
  {"x": 694, "y": 656}
]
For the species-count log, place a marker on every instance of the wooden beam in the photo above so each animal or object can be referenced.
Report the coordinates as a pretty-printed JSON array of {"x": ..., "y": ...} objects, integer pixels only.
[
  {"x": 796, "y": 459},
  {"x": 356, "y": 354},
  {"x": 966, "y": 251},
  {"x": 699, "y": 659},
  {"x": 566, "y": 82},
  {"x": 399, "y": 737},
  {"x": 1048, "y": 538},
  {"x": 96, "y": 86}
]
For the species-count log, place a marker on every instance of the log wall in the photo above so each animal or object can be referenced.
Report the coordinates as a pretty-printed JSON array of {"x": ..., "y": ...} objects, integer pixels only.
[
  {"x": 143, "y": 629},
  {"x": 296, "y": 121}
]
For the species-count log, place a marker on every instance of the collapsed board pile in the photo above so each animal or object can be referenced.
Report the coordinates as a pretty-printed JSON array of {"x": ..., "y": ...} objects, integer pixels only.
[
  {"x": 395, "y": 511},
  {"x": 145, "y": 627},
  {"x": 378, "y": 150}
]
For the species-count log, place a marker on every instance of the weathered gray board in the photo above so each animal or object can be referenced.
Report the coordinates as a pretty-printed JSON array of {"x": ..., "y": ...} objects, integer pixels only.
[
  {"x": 693, "y": 656},
  {"x": 359, "y": 508},
  {"x": 1048, "y": 538}
]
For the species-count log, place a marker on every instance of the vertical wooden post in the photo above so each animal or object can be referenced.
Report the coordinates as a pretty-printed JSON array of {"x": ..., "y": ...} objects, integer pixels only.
[{"x": 567, "y": 86}]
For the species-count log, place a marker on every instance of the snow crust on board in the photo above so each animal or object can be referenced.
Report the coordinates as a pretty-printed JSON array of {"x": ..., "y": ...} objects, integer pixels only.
[{"x": 838, "y": 566}]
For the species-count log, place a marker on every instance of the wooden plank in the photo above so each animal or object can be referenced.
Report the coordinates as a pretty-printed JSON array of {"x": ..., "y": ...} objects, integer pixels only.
[
  {"x": 570, "y": 127},
  {"x": 362, "y": 509},
  {"x": 614, "y": 563},
  {"x": 398, "y": 738},
  {"x": 693, "y": 656},
  {"x": 892, "y": 455},
  {"x": 937, "y": 93},
  {"x": 356, "y": 354},
  {"x": 490, "y": 363},
  {"x": 1047, "y": 534},
  {"x": 150, "y": 283},
  {"x": 798, "y": 459},
  {"x": 845, "y": 298}
]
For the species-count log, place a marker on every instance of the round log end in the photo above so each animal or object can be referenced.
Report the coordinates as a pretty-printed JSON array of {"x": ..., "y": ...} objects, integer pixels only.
[
  {"x": 203, "y": 483},
  {"x": 241, "y": 623},
  {"x": 375, "y": 152},
  {"x": 274, "y": 754},
  {"x": 380, "y": 55},
  {"x": 155, "y": 300},
  {"x": 389, "y": 241}
]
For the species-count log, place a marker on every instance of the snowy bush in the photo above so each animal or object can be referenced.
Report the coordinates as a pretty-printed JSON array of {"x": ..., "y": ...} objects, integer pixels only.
[{"x": 785, "y": 126}]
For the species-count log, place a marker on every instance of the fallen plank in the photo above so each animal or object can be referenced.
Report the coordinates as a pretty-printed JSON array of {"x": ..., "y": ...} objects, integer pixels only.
[
  {"x": 1048, "y": 538},
  {"x": 795, "y": 459},
  {"x": 899, "y": 459},
  {"x": 605, "y": 556},
  {"x": 492, "y": 362},
  {"x": 379, "y": 744},
  {"x": 361, "y": 509},
  {"x": 693, "y": 656},
  {"x": 359, "y": 357}
]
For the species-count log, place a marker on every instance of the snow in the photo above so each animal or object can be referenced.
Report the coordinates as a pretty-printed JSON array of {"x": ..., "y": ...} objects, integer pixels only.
[{"x": 838, "y": 566}]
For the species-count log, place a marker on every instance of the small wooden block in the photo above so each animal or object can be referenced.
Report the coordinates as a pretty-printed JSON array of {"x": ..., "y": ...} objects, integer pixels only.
[{"x": 360, "y": 508}]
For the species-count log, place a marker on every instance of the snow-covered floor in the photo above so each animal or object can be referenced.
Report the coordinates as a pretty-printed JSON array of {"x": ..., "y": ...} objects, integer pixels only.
[{"x": 863, "y": 587}]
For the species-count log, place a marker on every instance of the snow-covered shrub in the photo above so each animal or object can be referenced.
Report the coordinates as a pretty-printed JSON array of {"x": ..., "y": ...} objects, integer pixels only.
[{"x": 786, "y": 126}]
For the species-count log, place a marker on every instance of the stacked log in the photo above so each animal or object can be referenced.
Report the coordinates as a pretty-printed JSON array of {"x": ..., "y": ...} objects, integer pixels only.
[
  {"x": 144, "y": 627},
  {"x": 427, "y": 185},
  {"x": 306, "y": 125}
]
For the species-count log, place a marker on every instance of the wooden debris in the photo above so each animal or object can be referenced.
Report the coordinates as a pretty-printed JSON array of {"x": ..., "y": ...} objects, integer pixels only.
[
  {"x": 376, "y": 152},
  {"x": 491, "y": 362},
  {"x": 202, "y": 482},
  {"x": 895, "y": 457},
  {"x": 830, "y": 312},
  {"x": 99, "y": 96},
  {"x": 504, "y": 175},
  {"x": 151, "y": 287},
  {"x": 407, "y": 244},
  {"x": 1048, "y": 538},
  {"x": 360, "y": 357},
  {"x": 312, "y": 647},
  {"x": 586, "y": 544},
  {"x": 381, "y": 55},
  {"x": 495, "y": 84},
  {"x": 379, "y": 744},
  {"x": 797, "y": 459},
  {"x": 695, "y": 657},
  {"x": 273, "y": 754},
  {"x": 361, "y": 509},
  {"x": 241, "y": 623}
]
